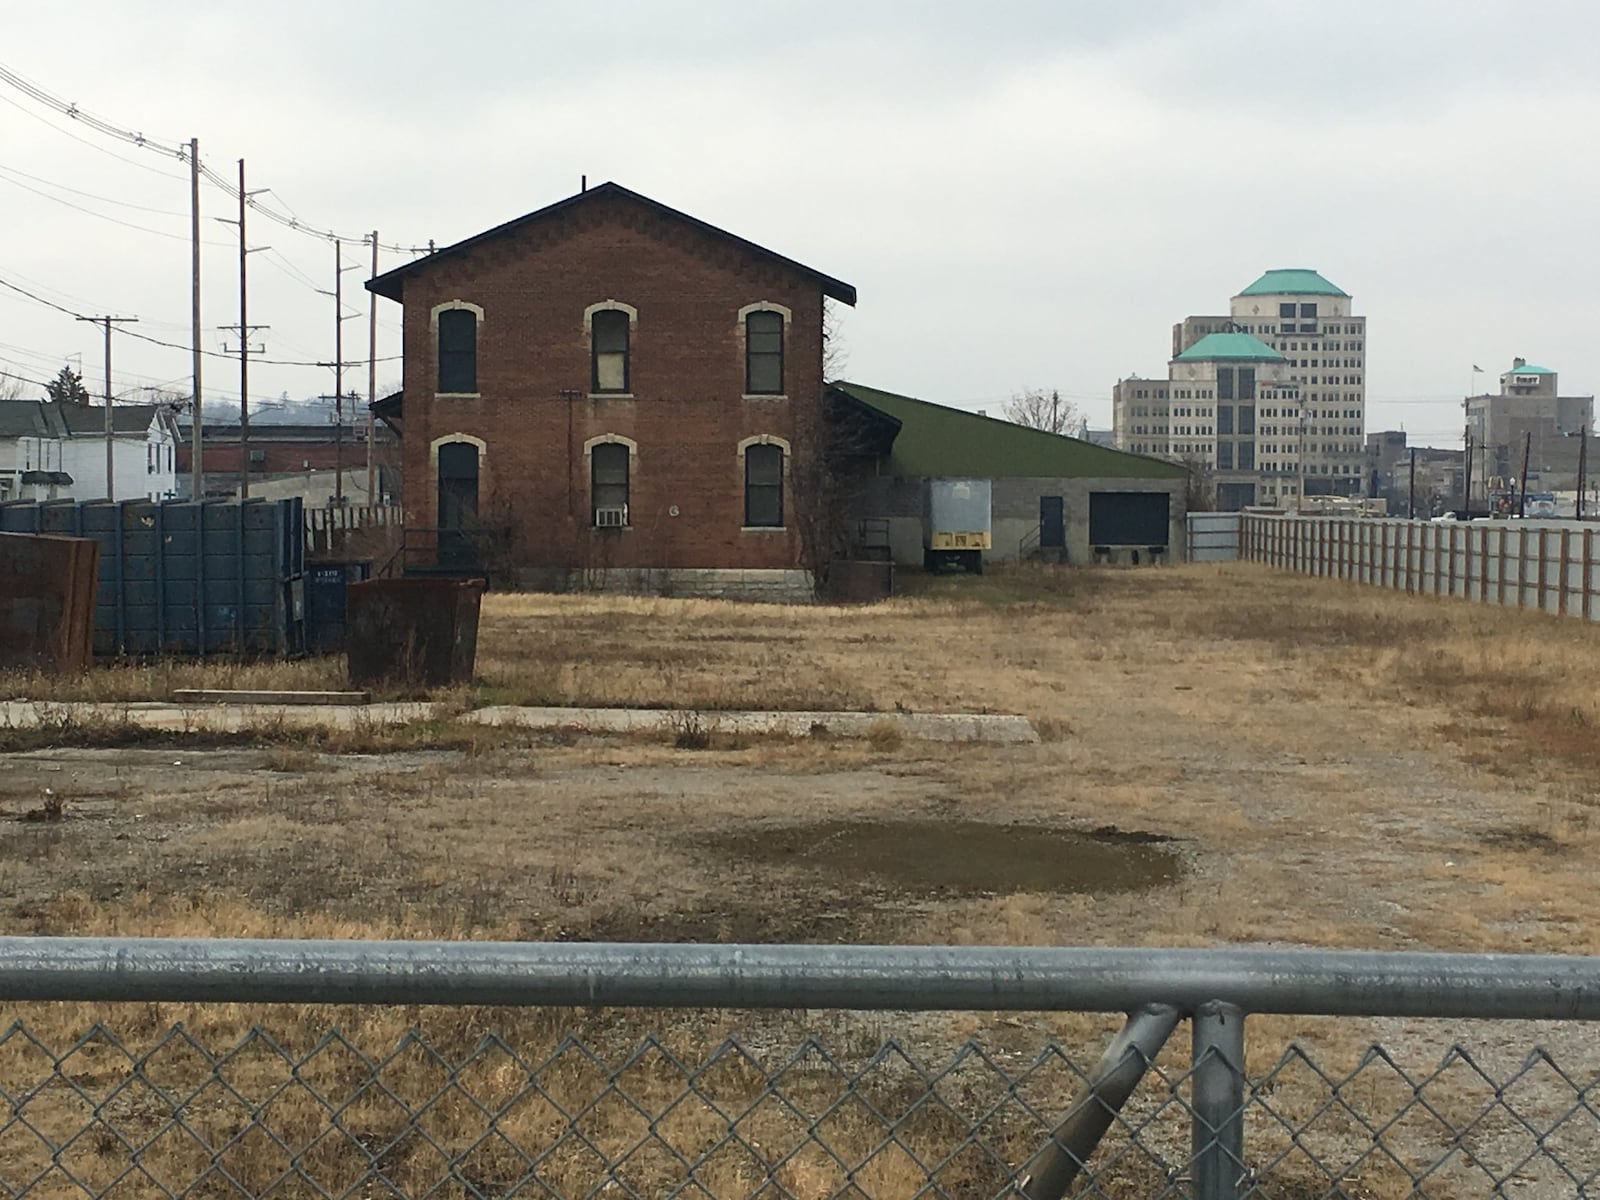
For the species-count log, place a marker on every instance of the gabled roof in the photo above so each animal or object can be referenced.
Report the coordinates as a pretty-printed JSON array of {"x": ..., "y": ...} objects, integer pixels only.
[
  {"x": 82, "y": 420},
  {"x": 29, "y": 418},
  {"x": 1229, "y": 347},
  {"x": 391, "y": 284},
  {"x": 935, "y": 441},
  {"x": 1292, "y": 281}
]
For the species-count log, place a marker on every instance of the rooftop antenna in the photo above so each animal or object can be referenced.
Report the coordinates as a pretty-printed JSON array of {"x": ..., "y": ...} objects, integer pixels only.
[{"x": 583, "y": 183}]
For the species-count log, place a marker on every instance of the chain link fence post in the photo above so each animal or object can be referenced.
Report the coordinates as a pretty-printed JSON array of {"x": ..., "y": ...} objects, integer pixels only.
[{"x": 1218, "y": 1083}]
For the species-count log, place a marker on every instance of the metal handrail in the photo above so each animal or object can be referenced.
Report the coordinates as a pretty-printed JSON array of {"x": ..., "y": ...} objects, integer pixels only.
[{"x": 1030, "y": 541}]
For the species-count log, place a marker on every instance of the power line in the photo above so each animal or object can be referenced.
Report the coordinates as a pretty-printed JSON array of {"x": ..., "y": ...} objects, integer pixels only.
[
  {"x": 165, "y": 212},
  {"x": 133, "y": 162},
  {"x": 179, "y": 237},
  {"x": 180, "y": 151},
  {"x": 143, "y": 337}
]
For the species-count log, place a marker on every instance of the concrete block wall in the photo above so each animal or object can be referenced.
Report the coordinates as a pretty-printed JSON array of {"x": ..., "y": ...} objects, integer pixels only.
[
  {"x": 1015, "y": 515},
  {"x": 776, "y": 586}
]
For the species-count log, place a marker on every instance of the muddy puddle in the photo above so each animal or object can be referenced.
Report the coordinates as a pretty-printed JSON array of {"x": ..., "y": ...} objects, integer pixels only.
[{"x": 967, "y": 858}]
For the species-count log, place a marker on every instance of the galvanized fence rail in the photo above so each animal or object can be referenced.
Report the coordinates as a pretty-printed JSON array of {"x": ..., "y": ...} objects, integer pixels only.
[
  {"x": 1551, "y": 566},
  {"x": 165, "y": 1111}
]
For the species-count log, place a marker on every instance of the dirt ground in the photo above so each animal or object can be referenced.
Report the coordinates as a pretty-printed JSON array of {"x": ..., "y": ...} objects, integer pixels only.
[
  {"x": 1208, "y": 773},
  {"x": 1228, "y": 755}
]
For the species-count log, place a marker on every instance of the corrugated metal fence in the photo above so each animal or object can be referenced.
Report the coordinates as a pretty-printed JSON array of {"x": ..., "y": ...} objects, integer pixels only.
[
  {"x": 220, "y": 577},
  {"x": 1552, "y": 566},
  {"x": 1213, "y": 536}
]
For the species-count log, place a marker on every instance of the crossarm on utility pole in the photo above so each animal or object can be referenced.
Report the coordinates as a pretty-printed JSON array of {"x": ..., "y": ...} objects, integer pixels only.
[{"x": 1052, "y": 1170}]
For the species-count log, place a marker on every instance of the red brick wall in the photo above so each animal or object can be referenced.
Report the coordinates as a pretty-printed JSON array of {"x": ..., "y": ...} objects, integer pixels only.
[
  {"x": 280, "y": 457},
  {"x": 687, "y": 414}
]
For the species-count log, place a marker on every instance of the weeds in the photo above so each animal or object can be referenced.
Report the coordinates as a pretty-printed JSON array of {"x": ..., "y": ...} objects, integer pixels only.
[{"x": 690, "y": 731}]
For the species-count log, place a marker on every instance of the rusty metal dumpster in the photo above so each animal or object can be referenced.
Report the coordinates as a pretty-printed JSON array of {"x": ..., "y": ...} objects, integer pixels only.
[
  {"x": 47, "y": 590},
  {"x": 411, "y": 632}
]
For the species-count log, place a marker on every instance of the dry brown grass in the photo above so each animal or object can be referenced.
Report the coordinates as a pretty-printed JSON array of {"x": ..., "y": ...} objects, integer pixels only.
[{"x": 1338, "y": 766}]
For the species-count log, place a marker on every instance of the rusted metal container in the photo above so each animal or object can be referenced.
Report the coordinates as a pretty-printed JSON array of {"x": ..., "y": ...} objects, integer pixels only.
[
  {"x": 47, "y": 595},
  {"x": 411, "y": 632},
  {"x": 857, "y": 581}
]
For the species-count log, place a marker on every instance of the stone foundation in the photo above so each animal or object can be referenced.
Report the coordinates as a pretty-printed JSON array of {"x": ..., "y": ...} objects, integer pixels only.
[{"x": 718, "y": 583}]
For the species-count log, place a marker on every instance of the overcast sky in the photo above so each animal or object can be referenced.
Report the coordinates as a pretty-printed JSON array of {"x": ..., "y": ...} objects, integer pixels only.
[{"x": 1025, "y": 193}]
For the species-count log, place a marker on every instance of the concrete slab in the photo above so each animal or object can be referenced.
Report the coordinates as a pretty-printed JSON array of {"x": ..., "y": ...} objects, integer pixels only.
[
  {"x": 933, "y": 727},
  {"x": 244, "y": 696},
  {"x": 216, "y": 718},
  {"x": 232, "y": 718}
]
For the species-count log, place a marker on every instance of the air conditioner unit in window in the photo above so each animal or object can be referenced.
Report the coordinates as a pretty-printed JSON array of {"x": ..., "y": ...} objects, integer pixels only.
[{"x": 611, "y": 518}]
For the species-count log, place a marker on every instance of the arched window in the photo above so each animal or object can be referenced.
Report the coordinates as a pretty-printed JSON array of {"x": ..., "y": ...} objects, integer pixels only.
[
  {"x": 763, "y": 486},
  {"x": 763, "y": 353},
  {"x": 458, "y": 350},
  {"x": 608, "y": 345},
  {"x": 608, "y": 484}
]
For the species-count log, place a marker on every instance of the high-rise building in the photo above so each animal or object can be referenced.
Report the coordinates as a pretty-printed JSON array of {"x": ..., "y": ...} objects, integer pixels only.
[
  {"x": 1529, "y": 420},
  {"x": 1292, "y": 358}
]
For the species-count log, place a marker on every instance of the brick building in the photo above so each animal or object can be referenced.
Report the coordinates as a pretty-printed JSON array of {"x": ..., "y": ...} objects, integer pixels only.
[{"x": 609, "y": 391}]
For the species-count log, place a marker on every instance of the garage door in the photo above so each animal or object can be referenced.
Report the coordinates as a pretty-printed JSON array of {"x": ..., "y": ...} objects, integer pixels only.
[{"x": 1128, "y": 518}]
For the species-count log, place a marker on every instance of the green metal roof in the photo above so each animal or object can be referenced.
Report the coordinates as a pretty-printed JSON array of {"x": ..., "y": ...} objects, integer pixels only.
[
  {"x": 1242, "y": 347},
  {"x": 1292, "y": 281},
  {"x": 1530, "y": 369},
  {"x": 935, "y": 441}
]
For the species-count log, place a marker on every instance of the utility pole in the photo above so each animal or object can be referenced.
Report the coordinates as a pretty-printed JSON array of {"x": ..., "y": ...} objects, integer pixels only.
[
  {"x": 339, "y": 318},
  {"x": 197, "y": 473},
  {"x": 244, "y": 329},
  {"x": 1583, "y": 465},
  {"x": 1300, "y": 478},
  {"x": 1466, "y": 487},
  {"x": 372, "y": 378},
  {"x": 111, "y": 490},
  {"x": 1411, "y": 499},
  {"x": 1522, "y": 497}
]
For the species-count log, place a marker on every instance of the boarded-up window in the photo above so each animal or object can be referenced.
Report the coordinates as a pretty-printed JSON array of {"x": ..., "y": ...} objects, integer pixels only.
[
  {"x": 458, "y": 350},
  {"x": 608, "y": 330},
  {"x": 608, "y": 483},
  {"x": 763, "y": 354},
  {"x": 763, "y": 486},
  {"x": 1128, "y": 518}
]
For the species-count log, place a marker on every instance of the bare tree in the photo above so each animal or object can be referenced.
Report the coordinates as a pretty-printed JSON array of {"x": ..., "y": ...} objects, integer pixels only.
[
  {"x": 835, "y": 357},
  {"x": 1039, "y": 409},
  {"x": 1200, "y": 493},
  {"x": 12, "y": 388}
]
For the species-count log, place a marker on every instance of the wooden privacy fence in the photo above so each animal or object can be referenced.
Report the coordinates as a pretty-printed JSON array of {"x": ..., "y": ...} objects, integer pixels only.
[
  {"x": 1546, "y": 565},
  {"x": 325, "y": 527}
]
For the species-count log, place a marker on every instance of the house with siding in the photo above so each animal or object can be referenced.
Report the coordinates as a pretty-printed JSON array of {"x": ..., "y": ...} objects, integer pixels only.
[{"x": 58, "y": 451}]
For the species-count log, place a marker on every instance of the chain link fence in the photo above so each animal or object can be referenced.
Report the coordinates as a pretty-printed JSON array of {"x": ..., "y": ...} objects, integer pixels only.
[
  {"x": 175, "y": 1116},
  {"x": 481, "y": 1109}
]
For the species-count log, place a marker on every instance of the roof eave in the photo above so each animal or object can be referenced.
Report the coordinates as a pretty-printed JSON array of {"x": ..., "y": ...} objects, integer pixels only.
[{"x": 391, "y": 284}]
